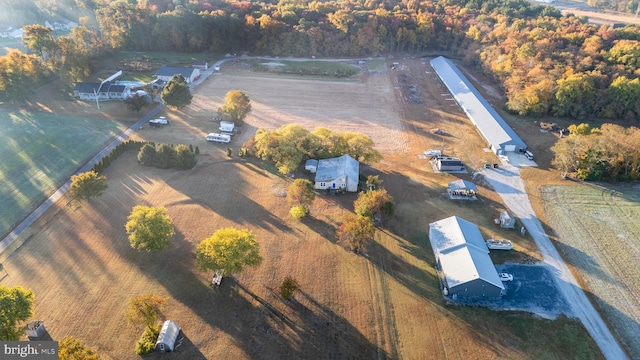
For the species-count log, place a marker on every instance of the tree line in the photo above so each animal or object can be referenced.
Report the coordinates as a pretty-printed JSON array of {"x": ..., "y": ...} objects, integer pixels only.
[
  {"x": 547, "y": 64},
  {"x": 610, "y": 152}
]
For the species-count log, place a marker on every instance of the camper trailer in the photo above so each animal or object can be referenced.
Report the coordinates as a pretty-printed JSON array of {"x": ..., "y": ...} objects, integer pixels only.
[
  {"x": 221, "y": 138},
  {"x": 168, "y": 335}
]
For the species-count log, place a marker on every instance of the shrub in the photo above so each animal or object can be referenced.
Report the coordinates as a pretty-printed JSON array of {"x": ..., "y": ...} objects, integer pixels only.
[
  {"x": 229, "y": 152},
  {"x": 298, "y": 212},
  {"x": 147, "y": 342},
  {"x": 288, "y": 287}
]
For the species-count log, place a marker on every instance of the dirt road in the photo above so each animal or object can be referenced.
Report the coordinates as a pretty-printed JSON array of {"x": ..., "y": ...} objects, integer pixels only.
[{"x": 506, "y": 181}]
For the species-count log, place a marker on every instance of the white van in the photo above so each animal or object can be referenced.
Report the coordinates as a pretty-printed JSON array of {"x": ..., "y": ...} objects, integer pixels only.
[{"x": 221, "y": 138}]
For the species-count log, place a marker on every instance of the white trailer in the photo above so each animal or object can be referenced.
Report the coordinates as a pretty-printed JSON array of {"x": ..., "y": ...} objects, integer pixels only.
[
  {"x": 221, "y": 138},
  {"x": 227, "y": 126}
]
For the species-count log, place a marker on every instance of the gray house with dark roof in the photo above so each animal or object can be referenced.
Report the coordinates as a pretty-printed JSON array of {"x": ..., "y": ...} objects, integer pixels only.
[
  {"x": 500, "y": 137},
  {"x": 104, "y": 91}
]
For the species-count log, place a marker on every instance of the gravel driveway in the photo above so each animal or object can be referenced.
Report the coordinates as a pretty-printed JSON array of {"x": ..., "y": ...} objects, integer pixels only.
[{"x": 506, "y": 181}]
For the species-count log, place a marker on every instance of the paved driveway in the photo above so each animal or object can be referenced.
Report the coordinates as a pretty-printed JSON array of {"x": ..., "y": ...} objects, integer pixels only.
[{"x": 506, "y": 181}]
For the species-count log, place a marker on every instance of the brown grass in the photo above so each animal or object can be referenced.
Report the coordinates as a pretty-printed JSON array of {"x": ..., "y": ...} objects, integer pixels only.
[{"x": 382, "y": 304}]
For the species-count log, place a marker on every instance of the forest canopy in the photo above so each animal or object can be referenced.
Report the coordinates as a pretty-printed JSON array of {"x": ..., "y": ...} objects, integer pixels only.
[{"x": 547, "y": 64}]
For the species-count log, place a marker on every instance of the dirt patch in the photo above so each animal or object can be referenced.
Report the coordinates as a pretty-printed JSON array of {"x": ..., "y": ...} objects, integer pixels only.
[{"x": 374, "y": 305}]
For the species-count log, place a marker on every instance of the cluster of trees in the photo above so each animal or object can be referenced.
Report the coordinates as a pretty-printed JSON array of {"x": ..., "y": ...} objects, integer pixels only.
[
  {"x": 145, "y": 310},
  {"x": 166, "y": 156},
  {"x": 561, "y": 66},
  {"x": 547, "y": 63},
  {"x": 291, "y": 144},
  {"x": 120, "y": 149},
  {"x": 370, "y": 207},
  {"x": 300, "y": 195},
  {"x": 610, "y": 152}
]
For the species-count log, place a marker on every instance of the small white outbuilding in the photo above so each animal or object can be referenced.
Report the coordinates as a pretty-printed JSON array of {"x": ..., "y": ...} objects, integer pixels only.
[
  {"x": 168, "y": 335},
  {"x": 311, "y": 165},
  {"x": 507, "y": 221}
]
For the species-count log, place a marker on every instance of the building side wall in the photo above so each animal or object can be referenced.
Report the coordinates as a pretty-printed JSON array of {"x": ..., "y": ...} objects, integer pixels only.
[{"x": 475, "y": 288}]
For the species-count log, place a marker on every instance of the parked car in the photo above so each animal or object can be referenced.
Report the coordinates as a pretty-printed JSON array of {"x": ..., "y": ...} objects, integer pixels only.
[{"x": 506, "y": 277}]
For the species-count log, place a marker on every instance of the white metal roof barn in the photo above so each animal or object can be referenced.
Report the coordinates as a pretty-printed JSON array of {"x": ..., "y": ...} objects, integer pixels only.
[
  {"x": 463, "y": 257},
  {"x": 496, "y": 132}
]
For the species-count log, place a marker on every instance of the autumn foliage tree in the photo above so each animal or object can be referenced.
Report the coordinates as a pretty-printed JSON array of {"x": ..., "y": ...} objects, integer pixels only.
[
  {"x": 228, "y": 251},
  {"x": 16, "y": 306},
  {"x": 356, "y": 230},
  {"x": 301, "y": 193},
  {"x": 237, "y": 106},
  {"x": 149, "y": 228},
  {"x": 87, "y": 185},
  {"x": 145, "y": 309},
  {"x": 71, "y": 348}
]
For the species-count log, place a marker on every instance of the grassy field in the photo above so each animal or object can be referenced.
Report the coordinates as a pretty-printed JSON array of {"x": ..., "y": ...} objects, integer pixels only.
[
  {"x": 38, "y": 151},
  {"x": 382, "y": 303},
  {"x": 599, "y": 233}
]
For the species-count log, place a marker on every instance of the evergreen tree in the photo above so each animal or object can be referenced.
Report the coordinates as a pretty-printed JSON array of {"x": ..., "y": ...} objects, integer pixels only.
[{"x": 177, "y": 93}]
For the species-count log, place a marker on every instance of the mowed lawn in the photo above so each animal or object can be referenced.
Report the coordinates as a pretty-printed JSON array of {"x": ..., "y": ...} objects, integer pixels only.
[
  {"x": 38, "y": 152},
  {"x": 599, "y": 234}
]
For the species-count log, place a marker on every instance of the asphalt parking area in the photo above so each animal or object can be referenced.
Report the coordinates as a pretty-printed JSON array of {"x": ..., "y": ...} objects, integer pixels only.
[{"x": 533, "y": 289}]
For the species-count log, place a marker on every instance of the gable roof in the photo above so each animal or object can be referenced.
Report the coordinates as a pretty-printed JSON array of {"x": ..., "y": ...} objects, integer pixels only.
[
  {"x": 463, "y": 255},
  {"x": 454, "y": 232},
  {"x": 462, "y": 185},
  {"x": 334, "y": 168},
  {"x": 174, "y": 70},
  {"x": 490, "y": 124},
  {"x": 86, "y": 87},
  {"x": 466, "y": 264},
  {"x": 117, "y": 88}
]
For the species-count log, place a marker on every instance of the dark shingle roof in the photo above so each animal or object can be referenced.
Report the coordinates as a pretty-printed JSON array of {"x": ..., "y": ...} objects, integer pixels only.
[{"x": 86, "y": 87}]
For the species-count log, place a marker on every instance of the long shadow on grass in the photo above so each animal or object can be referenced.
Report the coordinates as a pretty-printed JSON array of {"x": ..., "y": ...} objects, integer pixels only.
[
  {"x": 224, "y": 193},
  {"x": 625, "y": 327},
  {"x": 315, "y": 330}
]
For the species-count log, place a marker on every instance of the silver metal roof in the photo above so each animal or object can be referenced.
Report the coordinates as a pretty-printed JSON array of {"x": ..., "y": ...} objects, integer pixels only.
[
  {"x": 463, "y": 254},
  {"x": 334, "y": 168},
  {"x": 490, "y": 124}
]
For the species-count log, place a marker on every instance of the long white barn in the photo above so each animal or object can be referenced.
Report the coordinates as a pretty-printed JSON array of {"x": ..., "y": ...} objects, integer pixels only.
[{"x": 497, "y": 133}]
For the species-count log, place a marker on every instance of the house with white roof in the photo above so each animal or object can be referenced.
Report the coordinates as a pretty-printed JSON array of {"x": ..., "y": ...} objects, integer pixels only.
[
  {"x": 500, "y": 137},
  {"x": 463, "y": 259},
  {"x": 166, "y": 73},
  {"x": 341, "y": 173}
]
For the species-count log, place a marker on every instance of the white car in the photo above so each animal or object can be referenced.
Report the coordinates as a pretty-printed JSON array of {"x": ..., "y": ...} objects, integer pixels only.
[{"x": 506, "y": 277}]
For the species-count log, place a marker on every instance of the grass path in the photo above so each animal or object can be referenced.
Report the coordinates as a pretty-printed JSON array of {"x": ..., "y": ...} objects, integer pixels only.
[{"x": 599, "y": 233}]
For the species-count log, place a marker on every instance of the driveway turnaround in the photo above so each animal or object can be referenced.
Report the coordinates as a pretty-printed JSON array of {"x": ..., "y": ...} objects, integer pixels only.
[{"x": 506, "y": 181}]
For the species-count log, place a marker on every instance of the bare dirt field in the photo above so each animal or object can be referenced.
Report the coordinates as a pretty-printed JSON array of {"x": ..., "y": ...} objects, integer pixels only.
[{"x": 384, "y": 303}]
